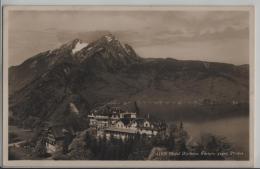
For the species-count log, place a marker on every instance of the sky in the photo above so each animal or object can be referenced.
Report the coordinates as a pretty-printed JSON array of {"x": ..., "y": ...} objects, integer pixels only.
[{"x": 217, "y": 36}]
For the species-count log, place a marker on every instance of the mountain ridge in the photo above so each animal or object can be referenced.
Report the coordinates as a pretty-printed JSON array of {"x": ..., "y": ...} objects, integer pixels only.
[{"x": 105, "y": 70}]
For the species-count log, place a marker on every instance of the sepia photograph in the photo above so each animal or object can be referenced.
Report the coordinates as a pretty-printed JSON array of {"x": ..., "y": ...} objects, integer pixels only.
[{"x": 128, "y": 84}]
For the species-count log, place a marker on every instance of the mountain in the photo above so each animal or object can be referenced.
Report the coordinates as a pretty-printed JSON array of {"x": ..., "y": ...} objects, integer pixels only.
[{"x": 89, "y": 75}]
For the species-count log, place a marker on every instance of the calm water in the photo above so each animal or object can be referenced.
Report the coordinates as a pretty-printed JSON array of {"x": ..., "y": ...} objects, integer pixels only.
[{"x": 236, "y": 130}]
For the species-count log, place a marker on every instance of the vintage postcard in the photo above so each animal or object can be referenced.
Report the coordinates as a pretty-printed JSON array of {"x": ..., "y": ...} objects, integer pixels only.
[{"x": 128, "y": 86}]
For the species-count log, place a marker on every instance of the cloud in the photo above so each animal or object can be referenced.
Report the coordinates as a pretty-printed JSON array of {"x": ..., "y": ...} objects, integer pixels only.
[{"x": 33, "y": 31}]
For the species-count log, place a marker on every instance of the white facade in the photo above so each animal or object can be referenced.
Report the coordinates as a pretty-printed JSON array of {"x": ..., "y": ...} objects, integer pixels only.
[
  {"x": 131, "y": 115},
  {"x": 121, "y": 125},
  {"x": 146, "y": 124},
  {"x": 98, "y": 121},
  {"x": 50, "y": 148}
]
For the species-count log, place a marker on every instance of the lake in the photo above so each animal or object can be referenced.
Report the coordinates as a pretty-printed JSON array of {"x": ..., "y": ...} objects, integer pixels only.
[{"x": 236, "y": 130}]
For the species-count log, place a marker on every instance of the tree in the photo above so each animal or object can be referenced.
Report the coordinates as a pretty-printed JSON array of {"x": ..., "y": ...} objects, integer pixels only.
[
  {"x": 80, "y": 149},
  {"x": 37, "y": 133},
  {"x": 40, "y": 148},
  {"x": 213, "y": 144},
  {"x": 66, "y": 142},
  {"x": 171, "y": 142}
]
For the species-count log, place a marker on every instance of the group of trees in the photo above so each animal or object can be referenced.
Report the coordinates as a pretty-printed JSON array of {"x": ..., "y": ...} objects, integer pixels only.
[
  {"x": 132, "y": 148},
  {"x": 139, "y": 146},
  {"x": 86, "y": 146},
  {"x": 215, "y": 145}
]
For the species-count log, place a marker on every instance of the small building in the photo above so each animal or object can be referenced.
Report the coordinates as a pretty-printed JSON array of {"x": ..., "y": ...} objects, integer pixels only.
[{"x": 58, "y": 138}]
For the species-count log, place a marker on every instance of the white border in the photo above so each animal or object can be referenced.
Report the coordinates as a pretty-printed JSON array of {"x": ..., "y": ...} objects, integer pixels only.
[
  {"x": 151, "y": 164},
  {"x": 130, "y": 2},
  {"x": 1, "y": 90}
]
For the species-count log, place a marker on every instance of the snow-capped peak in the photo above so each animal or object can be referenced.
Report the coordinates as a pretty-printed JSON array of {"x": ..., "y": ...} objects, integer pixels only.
[{"x": 79, "y": 46}]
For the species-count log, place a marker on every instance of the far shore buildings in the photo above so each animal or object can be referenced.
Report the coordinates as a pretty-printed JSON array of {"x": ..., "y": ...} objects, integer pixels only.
[{"x": 124, "y": 124}]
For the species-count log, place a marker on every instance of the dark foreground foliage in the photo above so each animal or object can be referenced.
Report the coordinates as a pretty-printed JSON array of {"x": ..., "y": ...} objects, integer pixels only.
[{"x": 142, "y": 147}]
